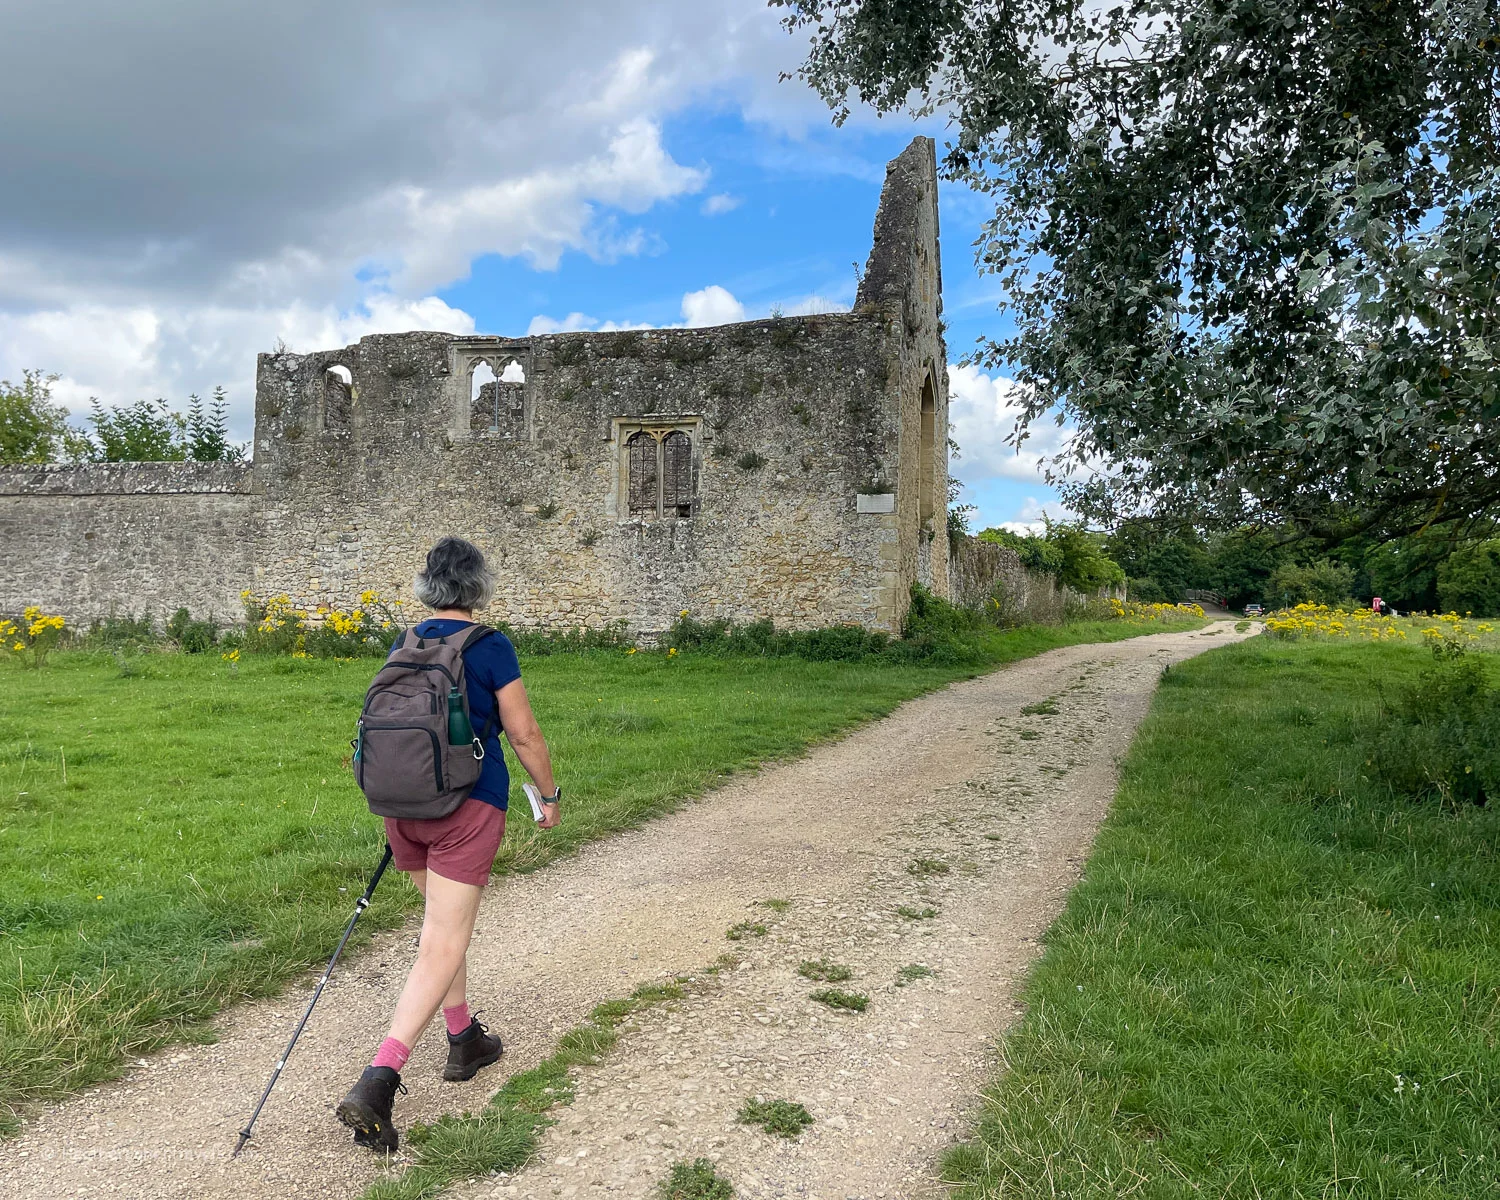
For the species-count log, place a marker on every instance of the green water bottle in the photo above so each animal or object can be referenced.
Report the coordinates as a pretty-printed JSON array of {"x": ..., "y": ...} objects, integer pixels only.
[{"x": 460, "y": 732}]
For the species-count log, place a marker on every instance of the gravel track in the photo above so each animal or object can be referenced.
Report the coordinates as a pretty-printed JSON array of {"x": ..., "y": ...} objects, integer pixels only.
[{"x": 1007, "y": 802}]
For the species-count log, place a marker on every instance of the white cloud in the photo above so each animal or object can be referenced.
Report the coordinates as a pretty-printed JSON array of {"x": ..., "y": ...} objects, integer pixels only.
[
  {"x": 123, "y": 354},
  {"x": 982, "y": 414},
  {"x": 574, "y": 322},
  {"x": 536, "y": 216},
  {"x": 1033, "y": 515},
  {"x": 720, "y": 202},
  {"x": 712, "y": 305}
]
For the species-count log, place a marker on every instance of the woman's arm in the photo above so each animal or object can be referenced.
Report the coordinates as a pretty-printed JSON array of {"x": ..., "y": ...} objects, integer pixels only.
[{"x": 525, "y": 737}]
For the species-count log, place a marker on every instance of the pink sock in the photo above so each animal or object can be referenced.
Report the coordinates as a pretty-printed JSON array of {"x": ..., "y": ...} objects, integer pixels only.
[
  {"x": 393, "y": 1054},
  {"x": 458, "y": 1018}
]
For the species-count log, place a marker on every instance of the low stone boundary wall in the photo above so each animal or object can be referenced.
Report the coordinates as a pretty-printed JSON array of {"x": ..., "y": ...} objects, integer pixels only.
[
  {"x": 983, "y": 574},
  {"x": 90, "y": 540}
]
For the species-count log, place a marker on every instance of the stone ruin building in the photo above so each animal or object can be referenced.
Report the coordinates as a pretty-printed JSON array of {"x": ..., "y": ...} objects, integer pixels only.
[{"x": 792, "y": 469}]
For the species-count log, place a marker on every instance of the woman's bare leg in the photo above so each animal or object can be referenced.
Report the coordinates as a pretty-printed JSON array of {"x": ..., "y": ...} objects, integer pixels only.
[
  {"x": 446, "y": 928},
  {"x": 458, "y": 991}
]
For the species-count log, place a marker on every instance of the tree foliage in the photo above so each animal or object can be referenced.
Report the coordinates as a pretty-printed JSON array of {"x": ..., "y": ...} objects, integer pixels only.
[
  {"x": 207, "y": 431},
  {"x": 1250, "y": 248},
  {"x": 1320, "y": 582},
  {"x": 1469, "y": 580},
  {"x": 146, "y": 431},
  {"x": 1067, "y": 550},
  {"x": 34, "y": 429}
]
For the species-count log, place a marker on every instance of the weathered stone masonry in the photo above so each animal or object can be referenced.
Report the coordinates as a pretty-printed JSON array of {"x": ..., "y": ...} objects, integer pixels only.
[{"x": 791, "y": 468}]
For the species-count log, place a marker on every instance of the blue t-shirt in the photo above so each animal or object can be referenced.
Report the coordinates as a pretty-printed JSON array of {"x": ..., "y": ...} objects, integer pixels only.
[{"x": 489, "y": 665}]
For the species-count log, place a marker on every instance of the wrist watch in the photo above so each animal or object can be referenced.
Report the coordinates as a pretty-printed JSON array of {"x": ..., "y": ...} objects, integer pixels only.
[{"x": 555, "y": 797}]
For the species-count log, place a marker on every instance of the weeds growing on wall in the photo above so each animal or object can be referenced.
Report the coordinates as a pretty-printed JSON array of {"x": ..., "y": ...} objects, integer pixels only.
[{"x": 534, "y": 642}]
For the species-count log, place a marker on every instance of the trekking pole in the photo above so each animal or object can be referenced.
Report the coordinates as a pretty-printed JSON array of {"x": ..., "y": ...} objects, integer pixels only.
[{"x": 359, "y": 907}]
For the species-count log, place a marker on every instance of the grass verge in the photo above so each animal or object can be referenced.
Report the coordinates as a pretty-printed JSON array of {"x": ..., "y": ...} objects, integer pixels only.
[
  {"x": 178, "y": 833},
  {"x": 1277, "y": 979}
]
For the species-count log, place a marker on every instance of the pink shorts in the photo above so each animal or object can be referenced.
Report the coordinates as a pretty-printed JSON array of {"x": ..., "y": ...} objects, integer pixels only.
[{"x": 461, "y": 846}]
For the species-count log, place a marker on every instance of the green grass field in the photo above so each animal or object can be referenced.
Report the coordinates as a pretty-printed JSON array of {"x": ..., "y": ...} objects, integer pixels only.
[
  {"x": 183, "y": 835},
  {"x": 1276, "y": 979}
]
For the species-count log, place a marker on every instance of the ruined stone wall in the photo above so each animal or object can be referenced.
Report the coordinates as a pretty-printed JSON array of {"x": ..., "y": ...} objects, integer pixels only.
[
  {"x": 134, "y": 538},
  {"x": 796, "y": 470},
  {"x": 902, "y": 286},
  {"x": 789, "y": 422}
]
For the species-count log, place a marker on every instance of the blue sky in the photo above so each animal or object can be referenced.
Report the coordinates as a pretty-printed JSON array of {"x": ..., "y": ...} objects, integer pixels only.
[{"x": 205, "y": 181}]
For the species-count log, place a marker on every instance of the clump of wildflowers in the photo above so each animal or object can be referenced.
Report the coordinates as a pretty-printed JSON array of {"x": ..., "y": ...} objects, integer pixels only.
[
  {"x": 1364, "y": 624},
  {"x": 37, "y": 634},
  {"x": 275, "y": 624},
  {"x": 1130, "y": 610}
]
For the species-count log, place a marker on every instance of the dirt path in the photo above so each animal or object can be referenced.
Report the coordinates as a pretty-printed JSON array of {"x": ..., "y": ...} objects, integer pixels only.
[{"x": 1007, "y": 801}]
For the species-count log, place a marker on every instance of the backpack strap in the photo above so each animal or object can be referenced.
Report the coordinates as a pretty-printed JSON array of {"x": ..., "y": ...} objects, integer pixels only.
[
  {"x": 399, "y": 642},
  {"x": 474, "y": 637}
]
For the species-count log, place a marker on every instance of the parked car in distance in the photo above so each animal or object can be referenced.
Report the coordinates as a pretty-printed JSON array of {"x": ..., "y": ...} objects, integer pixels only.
[{"x": 1253, "y": 610}]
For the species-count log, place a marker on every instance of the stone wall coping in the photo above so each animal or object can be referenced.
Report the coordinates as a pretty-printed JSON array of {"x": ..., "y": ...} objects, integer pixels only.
[{"x": 126, "y": 478}]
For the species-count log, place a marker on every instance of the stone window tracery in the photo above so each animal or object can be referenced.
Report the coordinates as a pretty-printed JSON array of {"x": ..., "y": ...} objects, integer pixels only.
[
  {"x": 497, "y": 402},
  {"x": 659, "y": 479}
]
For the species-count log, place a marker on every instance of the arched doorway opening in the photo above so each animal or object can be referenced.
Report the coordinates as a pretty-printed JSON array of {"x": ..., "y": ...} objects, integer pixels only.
[{"x": 927, "y": 479}]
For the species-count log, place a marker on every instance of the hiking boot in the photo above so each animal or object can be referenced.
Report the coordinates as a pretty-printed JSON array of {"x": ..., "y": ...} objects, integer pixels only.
[
  {"x": 470, "y": 1050},
  {"x": 367, "y": 1108}
]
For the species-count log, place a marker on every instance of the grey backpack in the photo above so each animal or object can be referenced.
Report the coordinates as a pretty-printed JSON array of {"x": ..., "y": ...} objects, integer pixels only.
[{"x": 416, "y": 754}]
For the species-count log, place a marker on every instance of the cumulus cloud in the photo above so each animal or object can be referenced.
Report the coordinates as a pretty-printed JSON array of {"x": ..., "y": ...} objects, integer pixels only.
[
  {"x": 536, "y": 216},
  {"x": 203, "y": 179},
  {"x": 807, "y": 306},
  {"x": 712, "y": 305},
  {"x": 574, "y": 322},
  {"x": 720, "y": 202},
  {"x": 1033, "y": 515},
  {"x": 982, "y": 414},
  {"x": 126, "y": 354}
]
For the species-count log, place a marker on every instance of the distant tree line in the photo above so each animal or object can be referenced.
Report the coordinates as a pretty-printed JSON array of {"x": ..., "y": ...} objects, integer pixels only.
[
  {"x": 1440, "y": 569},
  {"x": 1430, "y": 571},
  {"x": 35, "y": 429}
]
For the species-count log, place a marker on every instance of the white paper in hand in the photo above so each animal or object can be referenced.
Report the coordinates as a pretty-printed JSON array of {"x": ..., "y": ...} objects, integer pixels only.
[{"x": 536, "y": 800}]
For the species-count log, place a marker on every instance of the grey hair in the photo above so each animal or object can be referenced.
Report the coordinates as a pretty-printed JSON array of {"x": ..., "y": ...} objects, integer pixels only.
[{"x": 455, "y": 576}]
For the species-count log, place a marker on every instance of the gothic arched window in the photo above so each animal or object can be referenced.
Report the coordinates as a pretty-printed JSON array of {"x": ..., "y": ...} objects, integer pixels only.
[{"x": 659, "y": 473}]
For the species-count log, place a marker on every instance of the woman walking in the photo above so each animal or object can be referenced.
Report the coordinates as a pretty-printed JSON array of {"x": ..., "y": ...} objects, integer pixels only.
[{"x": 449, "y": 858}]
